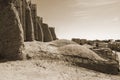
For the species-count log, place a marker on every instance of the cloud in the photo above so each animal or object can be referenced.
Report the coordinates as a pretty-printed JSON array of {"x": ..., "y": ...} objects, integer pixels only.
[
  {"x": 94, "y": 3},
  {"x": 115, "y": 19},
  {"x": 96, "y": 8}
]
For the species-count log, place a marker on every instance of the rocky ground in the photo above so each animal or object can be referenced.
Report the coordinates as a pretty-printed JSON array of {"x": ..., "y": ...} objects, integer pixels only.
[{"x": 45, "y": 64}]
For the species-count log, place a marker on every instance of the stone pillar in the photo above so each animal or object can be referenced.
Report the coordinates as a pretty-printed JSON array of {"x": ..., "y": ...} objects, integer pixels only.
[
  {"x": 47, "y": 33},
  {"x": 11, "y": 32},
  {"x": 34, "y": 15},
  {"x": 40, "y": 31},
  {"x": 29, "y": 25},
  {"x": 52, "y": 30}
]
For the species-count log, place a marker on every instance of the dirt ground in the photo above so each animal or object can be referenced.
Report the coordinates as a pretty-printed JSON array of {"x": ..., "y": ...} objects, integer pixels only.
[
  {"x": 43, "y": 68},
  {"x": 49, "y": 70}
]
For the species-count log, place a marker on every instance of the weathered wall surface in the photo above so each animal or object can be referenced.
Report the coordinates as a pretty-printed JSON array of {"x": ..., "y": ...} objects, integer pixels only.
[
  {"x": 47, "y": 33},
  {"x": 29, "y": 25},
  {"x": 21, "y": 8},
  {"x": 24, "y": 5},
  {"x": 52, "y": 30},
  {"x": 34, "y": 16},
  {"x": 11, "y": 32},
  {"x": 40, "y": 31}
]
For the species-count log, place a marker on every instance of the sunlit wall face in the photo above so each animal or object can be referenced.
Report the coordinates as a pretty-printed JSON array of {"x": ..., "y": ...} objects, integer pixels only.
[{"x": 91, "y": 19}]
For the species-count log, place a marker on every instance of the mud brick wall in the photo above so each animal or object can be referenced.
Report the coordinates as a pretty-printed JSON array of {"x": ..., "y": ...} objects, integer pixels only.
[
  {"x": 34, "y": 17},
  {"x": 24, "y": 5},
  {"x": 40, "y": 31},
  {"x": 19, "y": 23},
  {"x": 21, "y": 7},
  {"x": 11, "y": 32},
  {"x": 29, "y": 25},
  {"x": 32, "y": 28},
  {"x": 52, "y": 30},
  {"x": 47, "y": 33}
]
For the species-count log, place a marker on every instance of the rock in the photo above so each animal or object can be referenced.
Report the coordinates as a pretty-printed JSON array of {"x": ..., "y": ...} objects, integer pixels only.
[
  {"x": 47, "y": 33},
  {"x": 11, "y": 32}
]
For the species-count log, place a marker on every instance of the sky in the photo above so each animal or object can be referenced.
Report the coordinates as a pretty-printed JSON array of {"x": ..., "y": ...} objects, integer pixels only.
[{"x": 84, "y": 19}]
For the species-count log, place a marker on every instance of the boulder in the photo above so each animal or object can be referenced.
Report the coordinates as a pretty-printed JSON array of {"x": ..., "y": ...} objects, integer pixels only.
[{"x": 11, "y": 32}]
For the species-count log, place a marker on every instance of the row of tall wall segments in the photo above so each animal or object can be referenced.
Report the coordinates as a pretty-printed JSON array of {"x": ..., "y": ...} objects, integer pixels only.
[
  {"x": 32, "y": 26},
  {"x": 19, "y": 23}
]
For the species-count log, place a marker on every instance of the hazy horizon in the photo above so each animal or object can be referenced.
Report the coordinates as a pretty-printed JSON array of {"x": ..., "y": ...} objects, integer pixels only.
[{"x": 88, "y": 19}]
